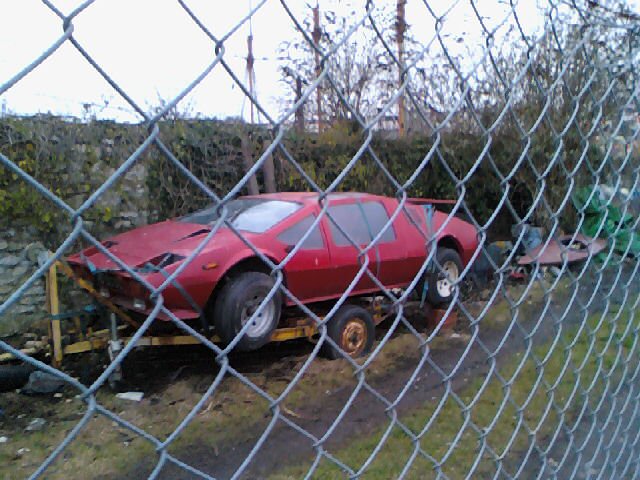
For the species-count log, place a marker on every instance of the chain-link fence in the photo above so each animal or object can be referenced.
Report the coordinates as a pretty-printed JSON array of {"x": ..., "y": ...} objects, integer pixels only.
[{"x": 503, "y": 350}]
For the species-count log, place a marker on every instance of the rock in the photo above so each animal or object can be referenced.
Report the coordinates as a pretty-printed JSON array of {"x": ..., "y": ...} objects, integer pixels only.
[
  {"x": 20, "y": 453},
  {"x": 132, "y": 396},
  {"x": 5, "y": 290},
  {"x": 6, "y": 277},
  {"x": 4, "y": 439},
  {"x": 9, "y": 261},
  {"x": 3, "y": 244},
  {"x": 32, "y": 251},
  {"x": 20, "y": 270},
  {"x": 96, "y": 168},
  {"x": 25, "y": 300},
  {"x": 20, "y": 309},
  {"x": 137, "y": 173},
  {"x": 122, "y": 224},
  {"x": 15, "y": 247},
  {"x": 42, "y": 383},
  {"x": 35, "y": 291},
  {"x": 36, "y": 425},
  {"x": 75, "y": 201}
]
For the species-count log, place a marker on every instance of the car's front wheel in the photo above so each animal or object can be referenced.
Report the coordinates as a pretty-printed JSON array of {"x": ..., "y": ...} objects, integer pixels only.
[{"x": 238, "y": 303}]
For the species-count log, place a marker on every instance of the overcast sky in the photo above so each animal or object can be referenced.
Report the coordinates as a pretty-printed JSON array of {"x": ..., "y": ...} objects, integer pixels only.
[{"x": 153, "y": 49}]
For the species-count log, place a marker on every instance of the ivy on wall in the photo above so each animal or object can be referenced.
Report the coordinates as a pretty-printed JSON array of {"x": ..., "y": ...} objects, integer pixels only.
[{"x": 73, "y": 159}]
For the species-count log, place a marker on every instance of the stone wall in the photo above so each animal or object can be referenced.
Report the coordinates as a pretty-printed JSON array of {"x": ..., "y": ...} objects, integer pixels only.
[
  {"x": 18, "y": 260},
  {"x": 21, "y": 244}
]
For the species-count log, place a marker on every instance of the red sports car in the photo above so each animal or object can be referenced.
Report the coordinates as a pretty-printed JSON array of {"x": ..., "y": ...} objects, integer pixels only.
[{"x": 226, "y": 282}]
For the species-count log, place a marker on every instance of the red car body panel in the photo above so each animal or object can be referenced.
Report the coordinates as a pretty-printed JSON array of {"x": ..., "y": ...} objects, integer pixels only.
[{"x": 312, "y": 274}]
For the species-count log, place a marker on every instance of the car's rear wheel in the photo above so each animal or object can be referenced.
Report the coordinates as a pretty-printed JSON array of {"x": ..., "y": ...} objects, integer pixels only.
[
  {"x": 238, "y": 302},
  {"x": 353, "y": 330},
  {"x": 443, "y": 283}
]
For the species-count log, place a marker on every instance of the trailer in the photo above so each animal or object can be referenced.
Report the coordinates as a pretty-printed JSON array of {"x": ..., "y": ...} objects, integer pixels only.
[{"x": 80, "y": 331}]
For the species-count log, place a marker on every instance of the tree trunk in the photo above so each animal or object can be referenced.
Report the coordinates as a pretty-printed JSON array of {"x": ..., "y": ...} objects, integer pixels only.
[
  {"x": 247, "y": 157},
  {"x": 300, "y": 109},
  {"x": 269, "y": 173},
  {"x": 316, "y": 35}
]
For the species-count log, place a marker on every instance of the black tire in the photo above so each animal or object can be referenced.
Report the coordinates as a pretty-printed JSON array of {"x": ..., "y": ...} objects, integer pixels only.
[
  {"x": 237, "y": 300},
  {"x": 446, "y": 259},
  {"x": 483, "y": 270},
  {"x": 354, "y": 320},
  {"x": 14, "y": 376}
]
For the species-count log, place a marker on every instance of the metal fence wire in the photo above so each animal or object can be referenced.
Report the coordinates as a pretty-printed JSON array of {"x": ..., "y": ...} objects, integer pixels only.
[{"x": 547, "y": 390}]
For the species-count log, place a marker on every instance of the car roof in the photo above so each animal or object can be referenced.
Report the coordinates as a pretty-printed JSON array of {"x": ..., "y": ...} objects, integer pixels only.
[{"x": 310, "y": 197}]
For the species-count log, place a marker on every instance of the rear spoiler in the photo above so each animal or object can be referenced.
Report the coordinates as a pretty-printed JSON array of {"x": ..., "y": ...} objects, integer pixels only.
[{"x": 430, "y": 201}]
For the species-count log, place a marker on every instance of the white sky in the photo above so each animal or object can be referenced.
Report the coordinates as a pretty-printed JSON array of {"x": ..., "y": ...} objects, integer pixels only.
[{"x": 152, "y": 49}]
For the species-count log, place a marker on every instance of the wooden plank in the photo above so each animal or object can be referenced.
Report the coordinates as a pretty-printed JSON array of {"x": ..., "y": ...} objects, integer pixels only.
[
  {"x": 8, "y": 357},
  {"x": 86, "y": 346}
]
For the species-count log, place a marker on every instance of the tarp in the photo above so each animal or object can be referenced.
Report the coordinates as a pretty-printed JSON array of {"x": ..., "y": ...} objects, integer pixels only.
[{"x": 605, "y": 220}]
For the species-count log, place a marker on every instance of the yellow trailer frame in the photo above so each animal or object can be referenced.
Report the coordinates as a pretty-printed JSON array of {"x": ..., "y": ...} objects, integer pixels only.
[{"x": 99, "y": 340}]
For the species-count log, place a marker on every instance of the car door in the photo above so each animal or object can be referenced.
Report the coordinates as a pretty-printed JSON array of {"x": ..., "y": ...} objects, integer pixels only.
[
  {"x": 348, "y": 216},
  {"x": 308, "y": 272},
  {"x": 391, "y": 248}
]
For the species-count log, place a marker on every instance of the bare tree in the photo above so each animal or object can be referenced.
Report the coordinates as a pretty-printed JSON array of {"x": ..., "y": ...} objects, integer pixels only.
[
  {"x": 357, "y": 71},
  {"x": 401, "y": 26}
]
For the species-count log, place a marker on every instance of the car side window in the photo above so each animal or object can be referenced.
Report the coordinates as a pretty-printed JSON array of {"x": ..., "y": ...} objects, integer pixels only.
[
  {"x": 377, "y": 217},
  {"x": 349, "y": 217},
  {"x": 292, "y": 235},
  {"x": 415, "y": 219}
]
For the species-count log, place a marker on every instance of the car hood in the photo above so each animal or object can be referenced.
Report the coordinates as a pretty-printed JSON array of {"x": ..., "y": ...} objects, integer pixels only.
[{"x": 145, "y": 244}]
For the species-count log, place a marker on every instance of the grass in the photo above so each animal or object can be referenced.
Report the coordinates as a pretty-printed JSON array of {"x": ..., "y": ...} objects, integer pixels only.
[
  {"x": 104, "y": 449},
  {"x": 464, "y": 433}
]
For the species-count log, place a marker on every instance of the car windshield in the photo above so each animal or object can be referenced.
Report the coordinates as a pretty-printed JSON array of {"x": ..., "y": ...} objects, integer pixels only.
[{"x": 249, "y": 214}]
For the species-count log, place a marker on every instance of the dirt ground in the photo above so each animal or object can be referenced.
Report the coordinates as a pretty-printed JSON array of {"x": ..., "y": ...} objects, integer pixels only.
[{"x": 234, "y": 419}]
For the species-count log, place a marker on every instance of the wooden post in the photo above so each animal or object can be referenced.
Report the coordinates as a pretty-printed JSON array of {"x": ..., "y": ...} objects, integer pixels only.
[{"x": 53, "y": 306}]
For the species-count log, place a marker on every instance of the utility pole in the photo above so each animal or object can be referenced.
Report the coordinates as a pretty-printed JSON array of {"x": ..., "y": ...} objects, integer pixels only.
[
  {"x": 401, "y": 27},
  {"x": 268, "y": 168},
  {"x": 244, "y": 133},
  {"x": 316, "y": 35}
]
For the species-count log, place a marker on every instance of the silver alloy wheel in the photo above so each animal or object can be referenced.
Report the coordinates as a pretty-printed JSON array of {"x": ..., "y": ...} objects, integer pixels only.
[
  {"x": 447, "y": 279},
  {"x": 262, "y": 321}
]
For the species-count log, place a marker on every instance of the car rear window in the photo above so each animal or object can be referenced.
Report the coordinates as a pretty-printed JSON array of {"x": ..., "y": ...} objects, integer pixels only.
[
  {"x": 377, "y": 217},
  {"x": 360, "y": 228},
  {"x": 350, "y": 219},
  {"x": 253, "y": 215}
]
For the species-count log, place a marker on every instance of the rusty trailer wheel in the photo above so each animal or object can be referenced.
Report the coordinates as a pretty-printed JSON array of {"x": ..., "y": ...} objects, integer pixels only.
[{"x": 353, "y": 330}]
